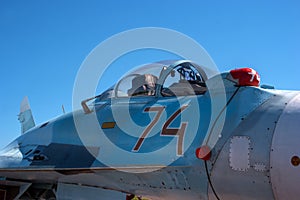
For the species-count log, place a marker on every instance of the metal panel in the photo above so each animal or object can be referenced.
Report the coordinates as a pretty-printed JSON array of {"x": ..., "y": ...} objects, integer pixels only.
[
  {"x": 260, "y": 167},
  {"x": 239, "y": 153},
  {"x": 253, "y": 182},
  {"x": 285, "y": 145}
]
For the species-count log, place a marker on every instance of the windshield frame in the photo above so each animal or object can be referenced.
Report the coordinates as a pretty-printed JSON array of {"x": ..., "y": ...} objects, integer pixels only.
[{"x": 160, "y": 69}]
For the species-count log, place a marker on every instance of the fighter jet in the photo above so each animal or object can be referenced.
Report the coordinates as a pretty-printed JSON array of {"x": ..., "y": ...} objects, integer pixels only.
[{"x": 167, "y": 130}]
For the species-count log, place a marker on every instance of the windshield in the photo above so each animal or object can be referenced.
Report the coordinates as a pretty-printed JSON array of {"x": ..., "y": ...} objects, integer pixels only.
[
  {"x": 171, "y": 78},
  {"x": 141, "y": 81}
]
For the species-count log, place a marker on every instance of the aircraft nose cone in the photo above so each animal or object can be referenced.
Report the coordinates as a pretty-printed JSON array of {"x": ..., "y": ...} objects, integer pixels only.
[{"x": 10, "y": 157}]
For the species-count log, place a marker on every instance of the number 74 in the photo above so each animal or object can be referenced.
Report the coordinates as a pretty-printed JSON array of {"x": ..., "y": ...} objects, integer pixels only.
[{"x": 166, "y": 131}]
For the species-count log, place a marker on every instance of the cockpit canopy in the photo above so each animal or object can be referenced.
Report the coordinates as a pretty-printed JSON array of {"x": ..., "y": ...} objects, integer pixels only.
[{"x": 168, "y": 78}]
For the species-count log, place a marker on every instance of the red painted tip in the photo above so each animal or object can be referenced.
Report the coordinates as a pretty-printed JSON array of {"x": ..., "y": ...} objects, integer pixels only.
[
  {"x": 203, "y": 153},
  {"x": 246, "y": 77}
]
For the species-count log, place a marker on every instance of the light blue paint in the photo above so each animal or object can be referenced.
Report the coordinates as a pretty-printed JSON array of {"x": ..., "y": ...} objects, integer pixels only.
[{"x": 177, "y": 171}]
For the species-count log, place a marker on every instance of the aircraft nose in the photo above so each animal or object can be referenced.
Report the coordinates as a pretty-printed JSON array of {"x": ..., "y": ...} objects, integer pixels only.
[{"x": 10, "y": 157}]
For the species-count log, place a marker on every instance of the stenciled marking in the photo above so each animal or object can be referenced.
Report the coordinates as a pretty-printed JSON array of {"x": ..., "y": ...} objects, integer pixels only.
[
  {"x": 166, "y": 131},
  {"x": 176, "y": 131},
  {"x": 159, "y": 111}
]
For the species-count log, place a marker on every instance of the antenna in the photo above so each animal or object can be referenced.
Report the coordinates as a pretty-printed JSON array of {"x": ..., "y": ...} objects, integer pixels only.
[{"x": 63, "y": 108}]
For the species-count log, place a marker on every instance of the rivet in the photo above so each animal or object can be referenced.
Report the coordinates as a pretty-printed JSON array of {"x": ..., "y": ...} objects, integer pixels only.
[{"x": 295, "y": 161}]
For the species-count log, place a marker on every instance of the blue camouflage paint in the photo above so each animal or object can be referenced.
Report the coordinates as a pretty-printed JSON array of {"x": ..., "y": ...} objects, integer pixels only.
[{"x": 58, "y": 146}]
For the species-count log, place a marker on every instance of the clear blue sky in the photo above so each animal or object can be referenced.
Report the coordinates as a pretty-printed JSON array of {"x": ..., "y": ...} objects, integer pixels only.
[{"x": 43, "y": 43}]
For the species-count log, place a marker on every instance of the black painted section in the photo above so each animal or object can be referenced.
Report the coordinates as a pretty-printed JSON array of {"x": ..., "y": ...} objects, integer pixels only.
[{"x": 66, "y": 156}]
